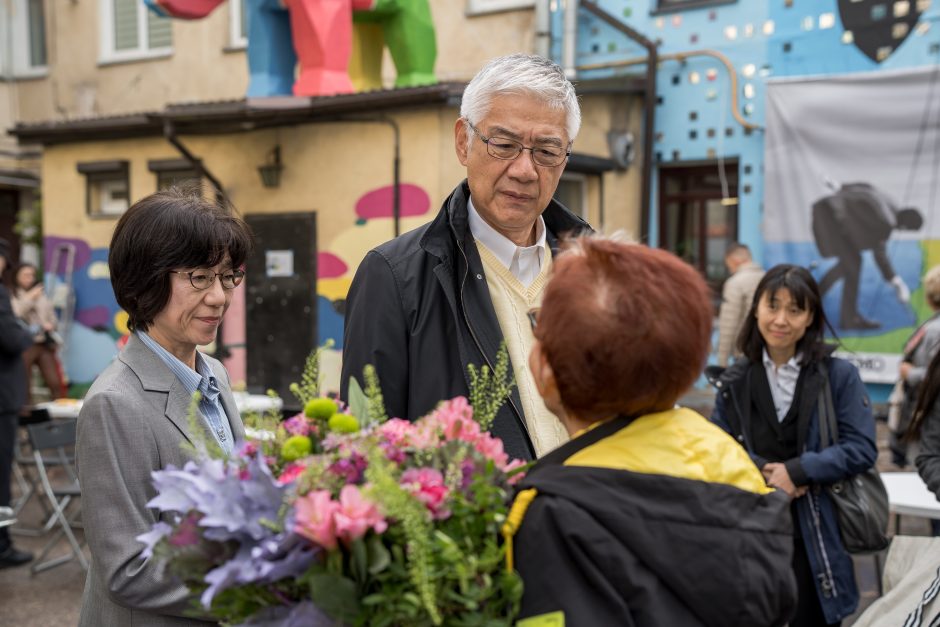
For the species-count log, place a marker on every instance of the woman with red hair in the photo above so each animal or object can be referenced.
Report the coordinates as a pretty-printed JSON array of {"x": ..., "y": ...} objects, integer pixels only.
[{"x": 650, "y": 514}]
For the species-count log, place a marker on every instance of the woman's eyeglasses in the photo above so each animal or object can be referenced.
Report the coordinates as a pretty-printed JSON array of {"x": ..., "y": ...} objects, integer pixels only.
[
  {"x": 533, "y": 315},
  {"x": 203, "y": 279}
]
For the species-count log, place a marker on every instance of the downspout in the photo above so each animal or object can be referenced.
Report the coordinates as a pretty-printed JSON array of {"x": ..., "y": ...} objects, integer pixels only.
[
  {"x": 169, "y": 132},
  {"x": 396, "y": 160},
  {"x": 569, "y": 42},
  {"x": 649, "y": 107},
  {"x": 543, "y": 28}
]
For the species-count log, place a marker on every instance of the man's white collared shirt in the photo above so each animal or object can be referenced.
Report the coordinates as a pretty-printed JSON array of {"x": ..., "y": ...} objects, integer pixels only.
[{"x": 524, "y": 263}]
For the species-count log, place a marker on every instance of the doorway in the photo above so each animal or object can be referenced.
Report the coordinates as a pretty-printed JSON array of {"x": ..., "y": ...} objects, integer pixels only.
[{"x": 280, "y": 302}]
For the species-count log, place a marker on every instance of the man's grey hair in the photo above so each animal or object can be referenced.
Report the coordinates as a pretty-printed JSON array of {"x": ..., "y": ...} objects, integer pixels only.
[{"x": 521, "y": 74}]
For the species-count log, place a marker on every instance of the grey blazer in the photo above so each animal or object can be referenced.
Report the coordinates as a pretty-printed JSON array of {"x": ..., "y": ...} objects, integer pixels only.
[{"x": 133, "y": 421}]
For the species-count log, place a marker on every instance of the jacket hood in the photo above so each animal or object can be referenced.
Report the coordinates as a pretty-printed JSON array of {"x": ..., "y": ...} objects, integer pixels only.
[{"x": 718, "y": 548}]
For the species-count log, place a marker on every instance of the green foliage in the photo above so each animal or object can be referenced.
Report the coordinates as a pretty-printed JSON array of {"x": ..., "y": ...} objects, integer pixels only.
[
  {"x": 204, "y": 445},
  {"x": 28, "y": 224},
  {"x": 369, "y": 405},
  {"x": 415, "y": 525},
  {"x": 489, "y": 389},
  {"x": 309, "y": 387}
]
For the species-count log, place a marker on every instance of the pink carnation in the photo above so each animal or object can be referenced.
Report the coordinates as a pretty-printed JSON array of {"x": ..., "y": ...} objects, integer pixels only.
[
  {"x": 291, "y": 472},
  {"x": 397, "y": 432},
  {"x": 314, "y": 518},
  {"x": 491, "y": 448},
  {"x": 427, "y": 485},
  {"x": 356, "y": 515},
  {"x": 516, "y": 478},
  {"x": 297, "y": 425}
]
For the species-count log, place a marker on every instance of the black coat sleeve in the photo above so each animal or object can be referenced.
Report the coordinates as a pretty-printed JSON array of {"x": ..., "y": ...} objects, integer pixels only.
[
  {"x": 14, "y": 338},
  {"x": 376, "y": 333},
  {"x": 928, "y": 461}
]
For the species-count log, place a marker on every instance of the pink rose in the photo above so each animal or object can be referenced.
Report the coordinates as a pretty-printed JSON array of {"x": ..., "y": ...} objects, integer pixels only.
[
  {"x": 427, "y": 485},
  {"x": 356, "y": 515},
  {"x": 313, "y": 518}
]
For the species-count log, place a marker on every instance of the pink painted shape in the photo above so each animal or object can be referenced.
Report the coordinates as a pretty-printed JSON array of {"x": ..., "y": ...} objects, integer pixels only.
[
  {"x": 188, "y": 9},
  {"x": 233, "y": 334},
  {"x": 329, "y": 266},
  {"x": 322, "y": 33},
  {"x": 378, "y": 203}
]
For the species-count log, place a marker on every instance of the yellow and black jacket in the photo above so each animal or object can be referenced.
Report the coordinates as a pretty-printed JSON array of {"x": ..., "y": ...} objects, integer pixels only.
[{"x": 662, "y": 520}]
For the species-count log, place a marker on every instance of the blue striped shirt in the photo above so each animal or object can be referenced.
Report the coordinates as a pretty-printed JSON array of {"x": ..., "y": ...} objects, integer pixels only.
[{"x": 203, "y": 381}]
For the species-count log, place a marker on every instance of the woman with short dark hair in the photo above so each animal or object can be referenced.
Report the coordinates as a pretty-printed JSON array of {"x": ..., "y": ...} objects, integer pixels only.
[
  {"x": 769, "y": 402},
  {"x": 650, "y": 514},
  {"x": 175, "y": 259}
]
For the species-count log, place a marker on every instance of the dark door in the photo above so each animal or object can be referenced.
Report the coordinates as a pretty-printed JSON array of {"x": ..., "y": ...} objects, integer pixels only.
[
  {"x": 280, "y": 301},
  {"x": 697, "y": 219},
  {"x": 9, "y": 205}
]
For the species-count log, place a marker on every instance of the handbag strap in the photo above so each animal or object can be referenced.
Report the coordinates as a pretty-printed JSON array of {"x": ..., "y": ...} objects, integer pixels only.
[{"x": 828, "y": 428}]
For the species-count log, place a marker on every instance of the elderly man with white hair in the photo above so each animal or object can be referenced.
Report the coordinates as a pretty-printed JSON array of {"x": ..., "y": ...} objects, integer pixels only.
[{"x": 428, "y": 303}]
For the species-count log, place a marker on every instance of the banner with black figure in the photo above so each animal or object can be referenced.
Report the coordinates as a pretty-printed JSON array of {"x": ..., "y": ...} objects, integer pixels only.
[{"x": 852, "y": 169}]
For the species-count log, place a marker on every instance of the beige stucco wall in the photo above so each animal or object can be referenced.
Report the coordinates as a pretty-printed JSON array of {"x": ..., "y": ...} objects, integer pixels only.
[{"x": 202, "y": 67}]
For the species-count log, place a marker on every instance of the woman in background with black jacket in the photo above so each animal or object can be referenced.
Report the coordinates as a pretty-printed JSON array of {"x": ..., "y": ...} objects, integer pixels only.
[
  {"x": 769, "y": 400},
  {"x": 925, "y": 426}
]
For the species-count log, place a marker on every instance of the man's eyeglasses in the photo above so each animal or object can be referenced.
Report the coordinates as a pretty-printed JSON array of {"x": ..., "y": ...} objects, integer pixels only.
[
  {"x": 203, "y": 279},
  {"x": 508, "y": 149}
]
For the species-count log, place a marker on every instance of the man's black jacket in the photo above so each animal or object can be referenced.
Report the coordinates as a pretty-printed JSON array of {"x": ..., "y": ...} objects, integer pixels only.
[{"x": 419, "y": 311}]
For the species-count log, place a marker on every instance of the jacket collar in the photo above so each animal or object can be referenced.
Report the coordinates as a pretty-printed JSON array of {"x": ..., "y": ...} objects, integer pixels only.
[
  {"x": 453, "y": 221},
  {"x": 155, "y": 376}
]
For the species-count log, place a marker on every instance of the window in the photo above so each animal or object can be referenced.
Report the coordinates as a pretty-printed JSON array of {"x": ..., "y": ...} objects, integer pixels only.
[
  {"x": 667, "y": 6},
  {"x": 107, "y": 188},
  {"x": 130, "y": 31},
  {"x": 697, "y": 222},
  {"x": 172, "y": 172},
  {"x": 238, "y": 24},
  {"x": 26, "y": 54}
]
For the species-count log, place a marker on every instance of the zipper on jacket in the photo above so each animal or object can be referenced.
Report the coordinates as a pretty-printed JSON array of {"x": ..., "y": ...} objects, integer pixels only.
[
  {"x": 463, "y": 307},
  {"x": 826, "y": 580}
]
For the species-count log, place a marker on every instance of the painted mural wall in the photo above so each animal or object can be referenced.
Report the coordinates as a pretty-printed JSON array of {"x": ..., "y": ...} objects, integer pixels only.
[
  {"x": 342, "y": 171},
  {"x": 765, "y": 42}
]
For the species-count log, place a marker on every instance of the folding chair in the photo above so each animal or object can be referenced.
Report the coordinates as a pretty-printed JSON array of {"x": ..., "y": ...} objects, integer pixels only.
[
  {"x": 44, "y": 437},
  {"x": 24, "y": 473}
]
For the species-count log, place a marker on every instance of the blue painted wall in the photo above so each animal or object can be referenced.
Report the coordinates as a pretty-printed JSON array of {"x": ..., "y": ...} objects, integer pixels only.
[{"x": 763, "y": 39}]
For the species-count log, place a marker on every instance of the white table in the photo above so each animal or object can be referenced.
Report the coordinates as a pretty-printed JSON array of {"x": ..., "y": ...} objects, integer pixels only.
[
  {"x": 247, "y": 403},
  {"x": 908, "y": 495}
]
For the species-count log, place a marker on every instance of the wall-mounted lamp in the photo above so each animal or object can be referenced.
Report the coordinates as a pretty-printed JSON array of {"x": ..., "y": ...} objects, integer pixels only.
[{"x": 271, "y": 171}]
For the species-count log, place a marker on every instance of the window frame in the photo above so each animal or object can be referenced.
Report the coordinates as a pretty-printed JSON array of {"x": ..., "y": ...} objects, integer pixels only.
[
  {"x": 171, "y": 168},
  {"x": 19, "y": 65},
  {"x": 236, "y": 17},
  {"x": 97, "y": 172},
  {"x": 107, "y": 54}
]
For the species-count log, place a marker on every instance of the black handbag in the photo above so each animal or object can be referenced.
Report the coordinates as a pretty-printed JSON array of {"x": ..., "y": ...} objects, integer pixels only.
[{"x": 861, "y": 502}]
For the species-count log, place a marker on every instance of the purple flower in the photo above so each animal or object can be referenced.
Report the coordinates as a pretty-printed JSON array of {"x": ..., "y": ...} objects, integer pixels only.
[
  {"x": 297, "y": 425},
  {"x": 303, "y": 614}
]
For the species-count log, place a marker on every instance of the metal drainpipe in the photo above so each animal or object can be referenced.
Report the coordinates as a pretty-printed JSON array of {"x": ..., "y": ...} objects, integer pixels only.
[
  {"x": 569, "y": 41},
  {"x": 543, "y": 28},
  {"x": 649, "y": 106},
  {"x": 396, "y": 160},
  {"x": 169, "y": 132}
]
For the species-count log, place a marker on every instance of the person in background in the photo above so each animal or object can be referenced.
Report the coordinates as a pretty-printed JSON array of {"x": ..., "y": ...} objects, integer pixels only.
[
  {"x": 925, "y": 429},
  {"x": 650, "y": 515},
  {"x": 14, "y": 340},
  {"x": 736, "y": 297},
  {"x": 918, "y": 352},
  {"x": 31, "y": 305},
  {"x": 768, "y": 401},
  {"x": 175, "y": 258},
  {"x": 425, "y": 305}
]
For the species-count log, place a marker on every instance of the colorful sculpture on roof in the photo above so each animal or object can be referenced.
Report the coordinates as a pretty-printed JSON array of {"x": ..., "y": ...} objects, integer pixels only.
[{"x": 330, "y": 40}]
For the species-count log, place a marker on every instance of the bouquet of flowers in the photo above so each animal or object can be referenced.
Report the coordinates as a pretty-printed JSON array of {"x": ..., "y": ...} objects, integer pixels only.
[{"x": 341, "y": 516}]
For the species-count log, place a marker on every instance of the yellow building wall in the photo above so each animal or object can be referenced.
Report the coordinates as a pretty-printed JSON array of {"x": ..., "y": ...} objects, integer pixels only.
[{"x": 328, "y": 168}]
